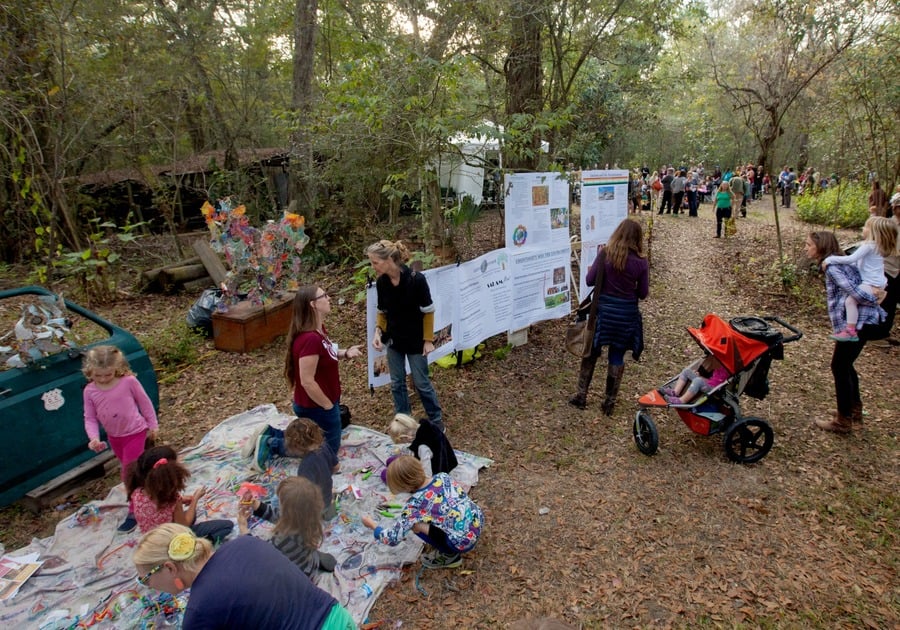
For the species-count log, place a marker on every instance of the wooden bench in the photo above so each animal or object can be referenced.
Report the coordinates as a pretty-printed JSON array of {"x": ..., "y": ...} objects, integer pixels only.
[{"x": 94, "y": 468}]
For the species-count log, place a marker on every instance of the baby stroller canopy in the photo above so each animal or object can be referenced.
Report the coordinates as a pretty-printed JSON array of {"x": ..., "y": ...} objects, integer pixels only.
[{"x": 731, "y": 348}]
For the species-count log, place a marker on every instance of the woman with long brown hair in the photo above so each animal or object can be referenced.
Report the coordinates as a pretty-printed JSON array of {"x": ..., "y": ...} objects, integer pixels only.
[
  {"x": 615, "y": 318},
  {"x": 311, "y": 365},
  {"x": 839, "y": 281}
]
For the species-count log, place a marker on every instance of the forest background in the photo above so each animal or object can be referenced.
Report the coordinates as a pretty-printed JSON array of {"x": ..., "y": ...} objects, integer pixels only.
[{"x": 363, "y": 95}]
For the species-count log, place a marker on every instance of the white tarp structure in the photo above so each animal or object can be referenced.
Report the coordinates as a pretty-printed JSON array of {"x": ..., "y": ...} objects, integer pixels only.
[{"x": 462, "y": 168}]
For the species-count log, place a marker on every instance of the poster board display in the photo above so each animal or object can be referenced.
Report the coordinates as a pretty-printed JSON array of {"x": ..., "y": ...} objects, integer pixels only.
[{"x": 529, "y": 280}]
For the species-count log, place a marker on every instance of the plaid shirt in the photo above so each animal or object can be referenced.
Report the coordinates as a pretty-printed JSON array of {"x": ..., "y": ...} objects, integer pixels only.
[{"x": 844, "y": 280}]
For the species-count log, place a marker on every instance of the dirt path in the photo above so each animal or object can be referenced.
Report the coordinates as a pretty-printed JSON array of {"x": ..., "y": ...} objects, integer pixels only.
[{"x": 806, "y": 538}]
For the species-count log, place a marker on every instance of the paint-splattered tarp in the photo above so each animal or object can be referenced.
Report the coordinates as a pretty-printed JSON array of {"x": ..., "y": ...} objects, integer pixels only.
[{"x": 88, "y": 579}]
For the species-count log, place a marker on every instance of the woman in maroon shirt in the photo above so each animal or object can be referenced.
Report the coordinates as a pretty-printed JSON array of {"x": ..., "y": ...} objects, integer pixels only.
[{"x": 311, "y": 363}]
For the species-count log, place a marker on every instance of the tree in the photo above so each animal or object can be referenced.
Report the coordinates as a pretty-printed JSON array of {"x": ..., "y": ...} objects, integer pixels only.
[{"x": 764, "y": 55}]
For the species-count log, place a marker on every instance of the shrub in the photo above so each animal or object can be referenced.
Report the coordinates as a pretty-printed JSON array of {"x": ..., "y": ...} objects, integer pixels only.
[
  {"x": 174, "y": 346},
  {"x": 844, "y": 206}
]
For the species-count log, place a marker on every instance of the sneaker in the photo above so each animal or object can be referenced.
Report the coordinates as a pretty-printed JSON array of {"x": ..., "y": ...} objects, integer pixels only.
[
  {"x": 128, "y": 524},
  {"x": 249, "y": 446},
  {"x": 441, "y": 561},
  {"x": 667, "y": 391},
  {"x": 673, "y": 400},
  {"x": 261, "y": 453},
  {"x": 845, "y": 335}
]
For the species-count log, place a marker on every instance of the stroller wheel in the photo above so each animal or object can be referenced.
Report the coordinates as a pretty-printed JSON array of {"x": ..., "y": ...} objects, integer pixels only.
[
  {"x": 748, "y": 440},
  {"x": 645, "y": 435}
]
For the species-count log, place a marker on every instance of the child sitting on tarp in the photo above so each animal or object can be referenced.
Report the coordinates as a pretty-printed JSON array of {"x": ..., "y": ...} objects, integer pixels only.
[
  {"x": 154, "y": 483},
  {"x": 427, "y": 442},
  {"x": 690, "y": 383},
  {"x": 301, "y": 438},
  {"x": 298, "y": 528},
  {"x": 438, "y": 511}
]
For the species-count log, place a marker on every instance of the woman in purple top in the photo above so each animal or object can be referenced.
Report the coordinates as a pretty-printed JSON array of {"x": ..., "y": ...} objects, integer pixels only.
[{"x": 615, "y": 318}]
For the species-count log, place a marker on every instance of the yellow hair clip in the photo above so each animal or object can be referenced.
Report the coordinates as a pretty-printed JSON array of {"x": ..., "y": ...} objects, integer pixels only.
[{"x": 182, "y": 546}]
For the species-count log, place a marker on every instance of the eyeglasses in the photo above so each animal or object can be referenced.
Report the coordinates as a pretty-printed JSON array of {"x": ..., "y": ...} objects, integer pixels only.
[
  {"x": 319, "y": 297},
  {"x": 146, "y": 578}
]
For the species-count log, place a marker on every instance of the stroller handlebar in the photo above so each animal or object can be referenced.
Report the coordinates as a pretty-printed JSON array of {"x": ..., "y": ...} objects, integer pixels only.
[{"x": 797, "y": 334}]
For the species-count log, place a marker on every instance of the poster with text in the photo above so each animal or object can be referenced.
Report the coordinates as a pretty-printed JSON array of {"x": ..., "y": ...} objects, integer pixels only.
[
  {"x": 443, "y": 283},
  {"x": 377, "y": 360},
  {"x": 589, "y": 252},
  {"x": 537, "y": 210},
  {"x": 540, "y": 285},
  {"x": 485, "y": 298},
  {"x": 604, "y": 203}
]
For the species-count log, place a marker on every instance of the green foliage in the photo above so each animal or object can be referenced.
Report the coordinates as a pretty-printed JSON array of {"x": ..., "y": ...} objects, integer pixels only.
[
  {"x": 173, "y": 346},
  {"x": 464, "y": 215},
  {"x": 503, "y": 352},
  {"x": 844, "y": 206},
  {"x": 362, "y": 276},
  {"x": 427, "y": 259},
  {"x": 330, "y": 240},
  {"x": 94, "y": 269}
]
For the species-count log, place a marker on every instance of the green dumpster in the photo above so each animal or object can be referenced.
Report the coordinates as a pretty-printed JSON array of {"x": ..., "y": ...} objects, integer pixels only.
[{"x": 41, "y": 406}]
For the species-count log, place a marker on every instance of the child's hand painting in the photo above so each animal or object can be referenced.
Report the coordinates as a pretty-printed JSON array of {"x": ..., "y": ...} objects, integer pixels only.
[{"x": 369, "y": 522}]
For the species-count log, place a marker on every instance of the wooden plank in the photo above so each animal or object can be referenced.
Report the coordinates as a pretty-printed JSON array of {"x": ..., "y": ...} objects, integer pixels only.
[
  {"x": 211, "y": 261},
  {"x": 95, "y": 468}
]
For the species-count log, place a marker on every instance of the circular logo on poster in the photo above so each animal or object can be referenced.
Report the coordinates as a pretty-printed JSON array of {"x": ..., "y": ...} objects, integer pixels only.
[{"x": 519, "y": 235}]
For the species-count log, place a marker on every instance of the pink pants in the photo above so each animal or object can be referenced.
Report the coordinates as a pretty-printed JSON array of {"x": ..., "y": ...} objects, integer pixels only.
[{"x": 128, "y": 448}]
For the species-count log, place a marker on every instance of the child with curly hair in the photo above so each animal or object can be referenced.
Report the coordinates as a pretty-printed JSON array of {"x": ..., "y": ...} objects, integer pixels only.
[
  {"x": 154, "y": 482},
  {"x": 115, "y": 399},
  {"x": 301, "y": 438},
  {"x": 439, "y": 512},
  {"x": 298, "y": 528}
]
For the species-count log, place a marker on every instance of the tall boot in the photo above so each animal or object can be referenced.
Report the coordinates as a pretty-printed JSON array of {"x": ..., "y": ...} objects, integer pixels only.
[
  {"x": 856, "y": 416},
  {"x": 585, "y": 374},
  {"x": 613, "y": 382},
  {"x": 838, "y": 424}
]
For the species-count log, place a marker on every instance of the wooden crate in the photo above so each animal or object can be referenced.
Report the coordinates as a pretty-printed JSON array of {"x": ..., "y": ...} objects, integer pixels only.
[{"x": 245, "y": 326}]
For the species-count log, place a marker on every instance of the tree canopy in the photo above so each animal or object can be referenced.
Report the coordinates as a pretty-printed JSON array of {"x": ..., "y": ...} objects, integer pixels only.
[{"x": 364, "y": 95}]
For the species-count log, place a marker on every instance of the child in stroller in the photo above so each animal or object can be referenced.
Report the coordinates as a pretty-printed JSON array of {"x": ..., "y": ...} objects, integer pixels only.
[
  {"x": 711, "y": 374},
  {"x": 706, "y": 394}
]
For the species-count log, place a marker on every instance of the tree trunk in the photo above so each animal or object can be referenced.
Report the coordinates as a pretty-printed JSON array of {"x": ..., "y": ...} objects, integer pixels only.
[
  {"x": 524, "y": 78},
  {"x": 303, "y": 181}
]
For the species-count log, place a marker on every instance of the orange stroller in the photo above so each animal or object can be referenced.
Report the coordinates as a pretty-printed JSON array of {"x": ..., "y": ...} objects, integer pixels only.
[{"x": 745, "y": 346}]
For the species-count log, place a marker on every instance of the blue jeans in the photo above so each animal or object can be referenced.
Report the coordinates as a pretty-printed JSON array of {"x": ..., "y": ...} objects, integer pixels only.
[
  {"x": 418, "y": 367},
  {"x": 328, "y": 420},
  {"x": 438, "y": 539},
  {"x": 616, "y": 356}
]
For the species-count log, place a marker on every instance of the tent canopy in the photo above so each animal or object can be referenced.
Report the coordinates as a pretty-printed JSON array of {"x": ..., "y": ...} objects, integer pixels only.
[{"x": 463, "y": 169}]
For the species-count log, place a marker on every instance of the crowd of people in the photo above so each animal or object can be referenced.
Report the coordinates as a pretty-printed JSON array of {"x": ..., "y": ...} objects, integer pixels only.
[{"x": 176, "y": 552}]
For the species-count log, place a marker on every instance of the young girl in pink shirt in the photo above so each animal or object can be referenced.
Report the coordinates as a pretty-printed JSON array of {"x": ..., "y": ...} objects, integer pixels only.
[
  {"x": 154, "y": 482},
  {"x": 115, "y": 399}
]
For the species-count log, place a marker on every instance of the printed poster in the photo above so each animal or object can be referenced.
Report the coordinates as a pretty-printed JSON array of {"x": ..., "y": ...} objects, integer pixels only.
[
  {"x": 485, "y": 298},
  {"x": 604, "y": 204},
  {"x": 537, "y": 210},
  {"x": 540, "y": 285}
]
